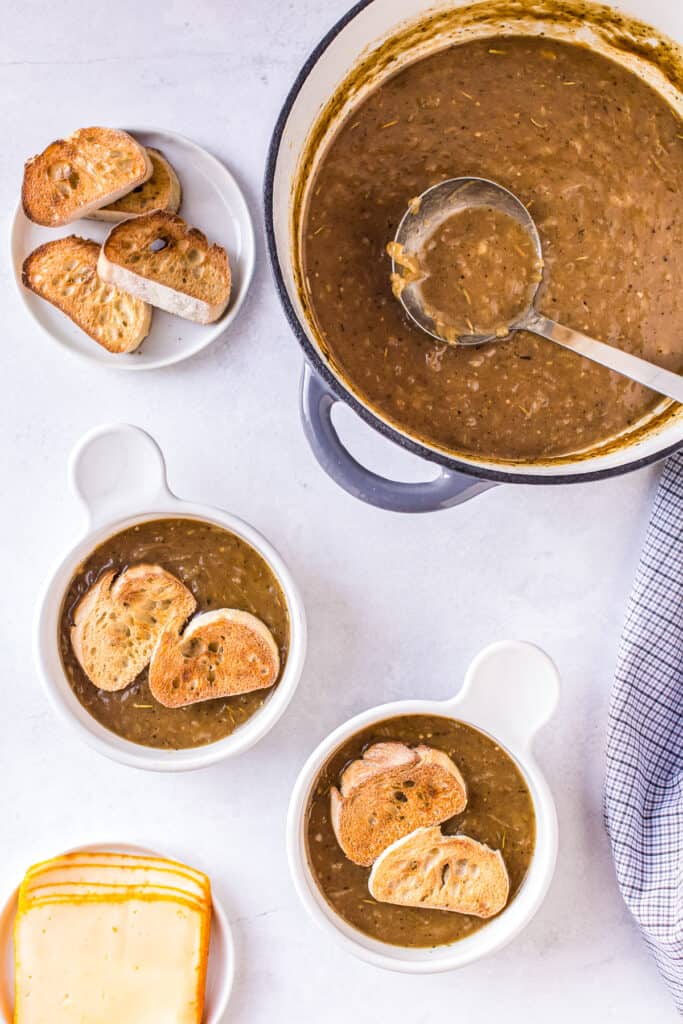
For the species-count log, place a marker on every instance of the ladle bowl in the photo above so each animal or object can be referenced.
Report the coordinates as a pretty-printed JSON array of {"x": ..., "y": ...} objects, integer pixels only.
[{"x": 428, "y": 212}]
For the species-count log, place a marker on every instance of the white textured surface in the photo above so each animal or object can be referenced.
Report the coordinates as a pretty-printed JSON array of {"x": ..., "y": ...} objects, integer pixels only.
[{"x": 396, "y": 606}]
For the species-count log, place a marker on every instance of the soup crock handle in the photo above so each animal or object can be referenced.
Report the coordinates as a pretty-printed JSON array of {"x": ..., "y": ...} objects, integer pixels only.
[
  {"x": 118, "y": 470},
  {"x": 511, "y": 689},
  {"x": 448, "y": 488}
]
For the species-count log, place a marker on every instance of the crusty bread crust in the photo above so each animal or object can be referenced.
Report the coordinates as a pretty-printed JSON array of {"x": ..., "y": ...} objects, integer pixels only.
[
  {"x": 89, "y": 169},
  {"x": 117, "y": 624},
  {"x": 390, "y": 791},
  {"x": 162, "y": 260},
  {"x": 220, "y": 654},
  {"x": 430, "y": 870},
  {"x": 64, "y": 273},
  {"x": 160, "y": 192}
]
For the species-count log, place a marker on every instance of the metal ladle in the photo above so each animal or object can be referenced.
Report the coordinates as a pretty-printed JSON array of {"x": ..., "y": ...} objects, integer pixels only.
[{"x": 436, "y": 204}]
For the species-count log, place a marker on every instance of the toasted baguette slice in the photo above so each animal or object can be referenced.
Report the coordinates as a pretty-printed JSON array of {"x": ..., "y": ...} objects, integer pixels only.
[
  {"x": 427, "y": 869},
  {"x": 64, "y": 273},
  {"x": 160, "y": 192},
  {"x": 79, "y": 174},
  {"x": 390, "y": 791},
  {"x": 117, "y": 624},
  {"x": 161, "y": 259},
  {"x": 220, "y": 654}
]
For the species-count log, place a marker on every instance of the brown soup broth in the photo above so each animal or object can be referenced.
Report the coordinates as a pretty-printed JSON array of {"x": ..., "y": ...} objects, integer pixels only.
[
  {"x": 499, "y": 812},
  {"x": 595, "y": 154},
  {"x": 222, "y": 571}
]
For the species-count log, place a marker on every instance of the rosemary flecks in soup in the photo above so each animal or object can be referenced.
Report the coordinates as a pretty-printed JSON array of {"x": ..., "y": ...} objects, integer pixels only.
[
  {"x": 595, "y": 154},
  {"x": 220, "y": 570},
  {"x": 499, "y": 812}
]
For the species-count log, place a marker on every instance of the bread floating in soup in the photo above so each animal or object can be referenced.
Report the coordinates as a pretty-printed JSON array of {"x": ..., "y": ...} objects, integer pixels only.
[
  {"x": 428, "y": 869},
  {"x": 218, "y": 654},
  {"x": 173, "y": 632},
  {"x": 389, "y": 791},
  {"x": 419, "y": 829}
]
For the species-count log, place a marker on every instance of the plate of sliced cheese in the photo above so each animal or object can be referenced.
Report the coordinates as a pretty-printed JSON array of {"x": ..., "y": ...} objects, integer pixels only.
[
  {"x": 133, "y": 249},
  {"x": 114, "y": 933}
]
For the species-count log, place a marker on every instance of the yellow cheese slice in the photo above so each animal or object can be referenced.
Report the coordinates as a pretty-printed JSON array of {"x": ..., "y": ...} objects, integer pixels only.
[
  {"x": 99, "y": 961},
  {"x": 66, "y": 891},
  {"x": 120, "y": 860},
  {"x": 114, "y": 874}
]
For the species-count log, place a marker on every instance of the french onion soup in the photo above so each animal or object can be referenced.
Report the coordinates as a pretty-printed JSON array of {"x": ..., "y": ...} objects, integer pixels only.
[
  {"x": 475, "y": 273},
  {"x": 596, "y": 155},
  {"x": 419, "y": 829},
  {"x": 173, "y": 633}
]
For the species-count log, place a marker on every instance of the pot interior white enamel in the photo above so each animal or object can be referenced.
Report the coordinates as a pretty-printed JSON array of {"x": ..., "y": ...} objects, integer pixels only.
[{"x": 364, "y": 31}]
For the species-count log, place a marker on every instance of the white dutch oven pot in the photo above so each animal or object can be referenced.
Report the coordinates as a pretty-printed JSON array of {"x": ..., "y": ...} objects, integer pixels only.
[
  {"x": 363, "y": 29},
  {"x": 510, "y": 690},
  {"x": 119, "y": 474}
]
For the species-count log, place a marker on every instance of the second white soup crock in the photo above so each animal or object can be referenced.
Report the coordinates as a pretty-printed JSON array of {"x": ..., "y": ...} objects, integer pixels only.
[{"x": 510, "y": 690}]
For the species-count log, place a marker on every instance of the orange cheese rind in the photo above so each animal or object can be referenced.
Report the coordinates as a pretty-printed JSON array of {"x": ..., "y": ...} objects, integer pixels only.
[
  {"x": 105, "y": 894},
  {"x": 114, "y": 874},
  {"x": 106, "y": 858}
]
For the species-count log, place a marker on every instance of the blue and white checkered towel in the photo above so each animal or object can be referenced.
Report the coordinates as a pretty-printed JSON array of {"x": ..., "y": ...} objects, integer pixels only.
[{"x": 644, "y": 783}]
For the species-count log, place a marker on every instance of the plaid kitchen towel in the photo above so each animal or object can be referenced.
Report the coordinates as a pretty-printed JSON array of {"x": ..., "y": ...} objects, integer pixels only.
[{"x": 644, "y": 782}]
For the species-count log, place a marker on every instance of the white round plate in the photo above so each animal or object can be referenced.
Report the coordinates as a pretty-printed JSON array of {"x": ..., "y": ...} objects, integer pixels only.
[
  {"x": 212, "y": 201},
  {"x": 221, "y": 968}
]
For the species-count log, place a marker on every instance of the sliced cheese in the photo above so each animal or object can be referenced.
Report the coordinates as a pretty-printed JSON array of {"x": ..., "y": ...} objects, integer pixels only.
[
  {"x": 59, "y": 873},
  {"x": 79, "y": 892},
  {"x": 122, "y": 859},
  {"x": 101, "y": 961}
]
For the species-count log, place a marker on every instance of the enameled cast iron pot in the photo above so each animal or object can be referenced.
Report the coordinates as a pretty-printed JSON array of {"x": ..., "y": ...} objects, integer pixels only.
[{"x": 364, "y": 31}]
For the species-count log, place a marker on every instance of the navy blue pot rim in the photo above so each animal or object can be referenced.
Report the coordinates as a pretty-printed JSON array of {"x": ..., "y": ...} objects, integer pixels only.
[{"x": 320, "y": 366}]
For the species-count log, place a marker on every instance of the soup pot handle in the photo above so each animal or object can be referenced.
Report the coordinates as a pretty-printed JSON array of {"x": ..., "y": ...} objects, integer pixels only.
[
  {"x": 116, "y": 470},
  {"x": 511, "y": 689},
  {"x": 448, "y": 488}
]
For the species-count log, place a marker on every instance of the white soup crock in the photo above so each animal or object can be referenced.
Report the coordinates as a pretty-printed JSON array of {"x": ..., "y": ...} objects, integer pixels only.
[
  {"x": 119, "y": 474},
  {"x": 510, "y": 690}
]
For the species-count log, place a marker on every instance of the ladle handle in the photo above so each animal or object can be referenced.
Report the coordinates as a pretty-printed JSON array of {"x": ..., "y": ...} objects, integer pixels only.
[
  {"x": 447, "y": 489},
  {"x": 665, "y": 382}
]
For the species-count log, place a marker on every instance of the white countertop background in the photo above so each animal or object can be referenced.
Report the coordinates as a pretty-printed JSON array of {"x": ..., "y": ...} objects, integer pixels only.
[{"x": 397, "y": 606}]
